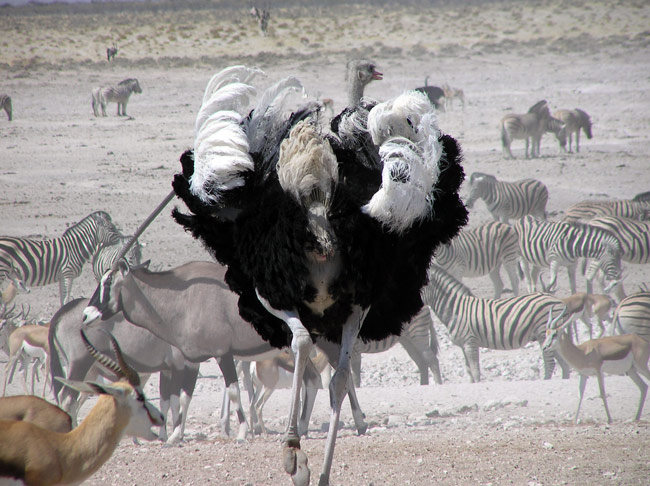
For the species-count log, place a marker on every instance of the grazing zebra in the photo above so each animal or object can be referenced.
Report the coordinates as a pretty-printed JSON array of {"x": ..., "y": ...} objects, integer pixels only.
[
  {"x": 508, "y": 200},
  {"x": 106, "y": 255},
  {"x": 622, "y": 208},
  {"x": 418, "y": 338},
  {"x": 557, "y": 128},
  {"x": 546, "y": 244},
  {"x": 119, "y": 94},
  {"x": 642, "y": 197},
  {"x": 5, "y": 104},
  {"x": 528, "y": 126},
  {"x": 632, "y": 315},
  {"x": 42, "y": 262},
  {"x": 111, "y": 52},
  {"x": 575, "y": 120},
  {"x": 473, "y": 322},
  {"x": 481, "y": 251}
]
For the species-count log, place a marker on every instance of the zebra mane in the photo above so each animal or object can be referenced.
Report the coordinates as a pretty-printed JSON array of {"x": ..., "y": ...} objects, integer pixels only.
[
  {"x": 583, "y": 115},
  {"x": 438, "y": 277},
  {"x": 476, "y": 176},
  {"x": 128, "y": 81},
  {"x": 540, "y": 108}
]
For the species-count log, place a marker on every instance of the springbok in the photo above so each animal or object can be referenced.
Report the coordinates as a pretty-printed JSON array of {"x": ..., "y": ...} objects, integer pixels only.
[
  {"x": 37, "y": 411},
  {"x": 40, "y": 457},
  {"x": 31, "y": 339},
  {"x": 616, "y": 355},
  {"x": 191, "y": 308},
  {"x": 146, "y": 354},
  {"x": 598, "y": 305}
]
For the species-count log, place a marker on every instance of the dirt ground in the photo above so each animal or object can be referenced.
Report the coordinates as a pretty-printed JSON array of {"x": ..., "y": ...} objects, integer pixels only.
[{"x": 58, "y": 163}]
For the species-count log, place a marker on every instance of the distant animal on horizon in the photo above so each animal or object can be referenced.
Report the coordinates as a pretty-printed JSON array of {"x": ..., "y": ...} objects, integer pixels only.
[
  {"x": 451, "y": 94},
  {"x": 111, "y": 52},
  {"x": 263, "y": 15},
  {"x": 119, "y": 94},
  {"x": 434, "y": 93},
  {"x": 43, "y": 262},
  {"x": 530, "y": 127},
  {"x": 508, "y": 200},
  {"x": 5, "y": 104},
  {"x": 575, "y": 120}
]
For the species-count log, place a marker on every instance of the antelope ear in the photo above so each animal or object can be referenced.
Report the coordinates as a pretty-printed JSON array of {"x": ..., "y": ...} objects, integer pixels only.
[{"x": 80, "y": 386}]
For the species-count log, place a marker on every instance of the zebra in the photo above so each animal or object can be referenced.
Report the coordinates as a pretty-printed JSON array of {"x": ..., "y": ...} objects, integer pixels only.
[
  {"x": 575, "y": 120},
  {"x": 480, "y": 251},
  {"x": 42, "y": 262},
  {"x": 418, "y": 338},
  {"x": 508, "y": 200},
  {"x": 5, "y": 104},
  {"x": 634, "y": 237},
  {"x": 632, "y": 315},
  {"x": 546, "y": 244},
  {"x": 621, "y": 208},
  {"x": 558, "y": 128},
  {"x": 119, "y": 94},
  {"x": 105, "y": 257},
  {"x": 528, "y": 126},
  {"x": 474, "y": 322}
]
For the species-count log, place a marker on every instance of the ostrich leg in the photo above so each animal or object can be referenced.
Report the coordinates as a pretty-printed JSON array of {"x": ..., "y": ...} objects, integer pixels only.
[{"x": 339, "y": 386}]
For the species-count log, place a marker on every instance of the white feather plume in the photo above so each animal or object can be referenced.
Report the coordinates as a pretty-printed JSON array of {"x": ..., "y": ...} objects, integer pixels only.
[
  {"x": 221, "y": 146},
  {"x": 406, "y": 130}
]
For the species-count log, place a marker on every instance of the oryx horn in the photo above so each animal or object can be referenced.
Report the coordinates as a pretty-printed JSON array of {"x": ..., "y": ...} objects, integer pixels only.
[{"x": 141, "y": 229}]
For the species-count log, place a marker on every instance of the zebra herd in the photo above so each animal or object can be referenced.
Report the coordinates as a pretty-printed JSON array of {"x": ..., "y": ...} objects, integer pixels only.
[{"x": 532, "y": 125}]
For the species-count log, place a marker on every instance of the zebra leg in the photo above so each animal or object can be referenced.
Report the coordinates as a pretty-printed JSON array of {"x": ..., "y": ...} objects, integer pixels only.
[
  {"x": 119, "y": 109},
  {"x": 418, "y": 358},
  {"x": 512, "y": 271},
  {"x": 471, "y": 354},
  {"x": 65, "y": 285},
  {"x": 526, "y": 153},
  {"x": 497, "y": 282},
  {"x": 578, "y": 141}
]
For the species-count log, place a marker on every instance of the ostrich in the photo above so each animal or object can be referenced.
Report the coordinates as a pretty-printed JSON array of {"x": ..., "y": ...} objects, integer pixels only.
[
  {"x": 346, "y": 239},
  {"x": 359, "y": 72}
]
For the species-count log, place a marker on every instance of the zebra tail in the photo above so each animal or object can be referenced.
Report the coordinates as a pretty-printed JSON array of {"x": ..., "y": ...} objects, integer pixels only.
[{"x": 504, "y": 136}]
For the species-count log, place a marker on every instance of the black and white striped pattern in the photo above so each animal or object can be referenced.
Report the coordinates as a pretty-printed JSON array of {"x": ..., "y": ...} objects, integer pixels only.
[
  {"x": 481, "y": 251},
  {"x": 418, "y": 338},
  {"x": 632, "y": 315},
  {"x": 575, "y": 120},
  {"x": 473, "y": 322},
  {"x": 119, "y": 94},
  {"x": 585, "y": 211},
  {"x": 527, "y": 126},
  {"x": 106, "y": 255},
  {"x": 5, "y": 104},
  {"x": 508, "y": 200},
  {"x": 633, "y": 235},
  {"x": 558, "y": 128},
  {"x": 43, "y": 262},
  {"x": 546, "y": 244}
]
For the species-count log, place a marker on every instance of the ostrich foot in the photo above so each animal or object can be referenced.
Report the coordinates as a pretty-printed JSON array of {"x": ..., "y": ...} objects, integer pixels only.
[{"x": 295, "y": 464}]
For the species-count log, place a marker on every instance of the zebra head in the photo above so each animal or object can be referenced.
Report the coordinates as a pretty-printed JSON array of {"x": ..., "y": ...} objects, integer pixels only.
[
  {"x": 107, "y": 232},
  {"x": 585, "y": 122},
  {"x": 479, "y": 184},
  {"x": 132, "y": 83}
]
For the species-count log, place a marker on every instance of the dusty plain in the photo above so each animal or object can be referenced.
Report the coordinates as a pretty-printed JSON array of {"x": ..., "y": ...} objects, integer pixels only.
[{"x": 59, "y": 163}]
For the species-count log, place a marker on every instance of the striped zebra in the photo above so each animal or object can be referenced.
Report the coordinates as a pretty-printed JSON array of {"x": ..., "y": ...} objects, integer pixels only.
[
  {"x": 475, "y": 323},
  {"x": 575, "y": 120},
  {"x": 481, "y": 251},
  {"x": 621, "y": 208},
  {"x": 527, "y": 126},
  {"x": 418, "y": 338},
  {"x": 43, "y": 262},
  {"x": 5, "y": 104},
  {"x": 119, "y": 94},
  {"x": 558, "y": 128},
  {"x": 105, "y": 257},
  {"x": 546, "y": 244},
  {"x": 632, "y": 316},
  {"x": 508, "y": 200}
]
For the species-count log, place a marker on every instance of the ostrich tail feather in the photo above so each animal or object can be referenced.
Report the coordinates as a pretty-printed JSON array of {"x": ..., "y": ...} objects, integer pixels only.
[
  {"x": 406, "y": 130},
  {"x": 232, "y": 74}
]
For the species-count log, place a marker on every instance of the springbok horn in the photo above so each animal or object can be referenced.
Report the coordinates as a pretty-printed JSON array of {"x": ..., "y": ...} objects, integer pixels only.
[
  {"x": 130, "y": 373},
  {"x": 551, "y": 321},
  {"x": 141, "y": 229},
  {"x": 102, "y": 358}
]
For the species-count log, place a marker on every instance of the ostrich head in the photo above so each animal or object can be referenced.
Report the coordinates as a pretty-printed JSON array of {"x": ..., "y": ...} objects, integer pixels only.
[
  {"x": 359, "y": 73},
  {"x": 308, "y": 170}
]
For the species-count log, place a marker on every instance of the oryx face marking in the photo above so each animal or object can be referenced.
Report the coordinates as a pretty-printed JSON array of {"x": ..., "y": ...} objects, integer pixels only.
[{"x": 102, "y": 304}]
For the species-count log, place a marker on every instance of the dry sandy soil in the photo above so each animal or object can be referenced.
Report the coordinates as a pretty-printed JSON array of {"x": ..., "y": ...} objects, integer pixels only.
[{"x": 58, "y": 163}]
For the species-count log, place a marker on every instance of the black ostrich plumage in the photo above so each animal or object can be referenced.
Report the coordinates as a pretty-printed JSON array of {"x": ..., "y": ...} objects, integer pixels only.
[{"x": 263, "y": 245}]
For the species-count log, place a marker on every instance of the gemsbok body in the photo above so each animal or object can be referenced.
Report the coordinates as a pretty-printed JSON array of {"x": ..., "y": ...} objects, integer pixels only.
[
  {"x": 40, "y": 457},
  {"x": 119, "y": 94},
  {"x": 575, "y": 120},
  {"x": 508, "y": 200},
  {"x": 147, "y": 354},
  {"x": 615, "y": 355}
]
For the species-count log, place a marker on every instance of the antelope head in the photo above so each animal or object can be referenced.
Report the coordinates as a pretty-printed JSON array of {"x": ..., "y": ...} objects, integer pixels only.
[
  {"x": 552, "y": 332},
  {"x": 105, "y": 300}
]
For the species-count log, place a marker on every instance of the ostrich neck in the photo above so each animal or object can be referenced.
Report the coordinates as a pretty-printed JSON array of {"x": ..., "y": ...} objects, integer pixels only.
[{"x": 355, "y": 92}]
